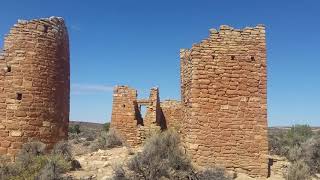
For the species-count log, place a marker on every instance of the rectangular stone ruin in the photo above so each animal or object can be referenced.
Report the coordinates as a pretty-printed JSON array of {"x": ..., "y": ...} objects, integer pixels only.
[
  {"x": 224, "y": 100},
  {"x": 126, "y": 115},
  {"x": 222, "y": 116}
]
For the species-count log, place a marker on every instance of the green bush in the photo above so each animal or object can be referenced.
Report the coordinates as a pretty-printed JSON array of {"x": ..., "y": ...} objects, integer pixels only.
[
  {"x": 74, "y": 129},
  {"x": 106, "y": 126}
]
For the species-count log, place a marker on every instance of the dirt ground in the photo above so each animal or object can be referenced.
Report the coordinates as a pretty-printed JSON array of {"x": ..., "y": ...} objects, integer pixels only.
[{"x": 99, "y": 164}]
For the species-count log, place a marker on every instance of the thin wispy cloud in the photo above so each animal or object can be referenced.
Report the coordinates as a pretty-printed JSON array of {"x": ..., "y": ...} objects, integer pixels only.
[
  {"x": 90, "y": 88},
  {"x": 75, "y": 27}
]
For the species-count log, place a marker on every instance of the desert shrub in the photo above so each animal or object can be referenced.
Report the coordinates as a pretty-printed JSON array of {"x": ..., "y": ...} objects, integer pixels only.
[
  {"x": 108, "y": 139},
  {"x": 74, "y": 129},
  {"x": 32, "y": 163},
  {"x": 160, "y": 154},
  {"x": 72, "y": 136},
  {"x": 55, "y": 165},
  {"x": 28, "y": 162},
  {"x": 311, "y": 154},
  {"x": 90, "y": 138},
  {"x": 29, "y": 151},
  {"x": 75, "y": 164},
  {"x": 280, "y": 142},
  {"x": 106, "y": 126},
  {"x": 147, "y": 167},
  {"x": 295, "y": 153},
  {"x": 298, "y": 170},
  {"x": 213, "y": 173},
  {"x": 31, "y": 170},
  {"x": 113, "y": 139},
  {"x": 298, "y": 134},
  {"x": 86, "y": 144},
  {"x": 63, "y": 149},
  {"x": 6, "y": 169},
  {"x": 119, "y": 173},
  {"x": 162, "y": 157},
  {"x": 277, "y": 142}
]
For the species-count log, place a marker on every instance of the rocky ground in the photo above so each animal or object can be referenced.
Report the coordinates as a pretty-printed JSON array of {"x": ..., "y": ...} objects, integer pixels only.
[{"x": 99, "y": 164}]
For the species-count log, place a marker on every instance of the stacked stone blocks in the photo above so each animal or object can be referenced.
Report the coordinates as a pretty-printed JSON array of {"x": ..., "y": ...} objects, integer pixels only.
[
  {"x": 34, "y": 84},
  {"x": 224, "y": 99}
]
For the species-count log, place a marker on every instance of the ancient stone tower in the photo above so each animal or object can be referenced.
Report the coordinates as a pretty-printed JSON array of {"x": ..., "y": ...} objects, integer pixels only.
[
  {"x": 34, "y": 84},
  {"x": 224, "y": 99}
]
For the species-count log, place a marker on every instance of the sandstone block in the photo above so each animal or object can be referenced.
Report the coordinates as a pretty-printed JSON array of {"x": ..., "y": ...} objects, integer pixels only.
[{"x": 16, "y": 133}]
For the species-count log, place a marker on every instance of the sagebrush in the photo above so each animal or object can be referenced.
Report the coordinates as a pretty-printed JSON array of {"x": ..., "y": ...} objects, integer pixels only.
[
  {"x": 301, "y": 146},
  {"x": 33, "y": 163},
  {"x": 162, "y": 157}
]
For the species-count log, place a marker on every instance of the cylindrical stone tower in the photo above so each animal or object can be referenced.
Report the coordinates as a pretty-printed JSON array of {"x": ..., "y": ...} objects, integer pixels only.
[{"x": 34, "y": 84}]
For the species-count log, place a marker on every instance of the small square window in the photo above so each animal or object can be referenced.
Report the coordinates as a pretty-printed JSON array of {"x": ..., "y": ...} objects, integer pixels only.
[
  {"x": 8, "y": 68},
  {"x": 19, "y": 96}
]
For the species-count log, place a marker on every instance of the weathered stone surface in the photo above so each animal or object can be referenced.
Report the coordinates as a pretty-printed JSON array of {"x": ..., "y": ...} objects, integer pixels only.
[
  {"x": 223, "y": 90},
  {"x": 222, "y": 115},
  {"x": 34, "y": 84},
  {"x": 126, "y": 115},
  {"x": 172, "y": 113},
  {"x": 16, "y": 133}
]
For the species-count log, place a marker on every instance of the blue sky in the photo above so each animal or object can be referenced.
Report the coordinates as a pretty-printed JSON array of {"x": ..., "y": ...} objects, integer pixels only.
[{"x": 137, "y": 43}]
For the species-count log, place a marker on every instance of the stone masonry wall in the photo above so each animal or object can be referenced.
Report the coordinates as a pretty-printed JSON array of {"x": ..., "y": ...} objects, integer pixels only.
[
  {"x": 126, "y": 116},
  {"x": 153, "y": 118},
  {"x": 34, "y": 84},
  {"x": 172, "y": 113},
  {"x": 224, "y": 99}
]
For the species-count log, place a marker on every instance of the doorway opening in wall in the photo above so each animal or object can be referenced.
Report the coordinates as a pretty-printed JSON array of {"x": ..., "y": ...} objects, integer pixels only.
[
  {"x": 143, "y": 111},
  {"x": 141, "y": 114}
]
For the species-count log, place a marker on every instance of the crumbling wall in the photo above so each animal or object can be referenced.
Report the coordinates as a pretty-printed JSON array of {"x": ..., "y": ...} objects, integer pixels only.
[
  {"x": 126, "y": 114},
  {"x": 34, "y": 84},
  {"x": 153, "y": 120},
  {"x": 224, "y": 98},
  {"x": 172, "y": 114}
]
